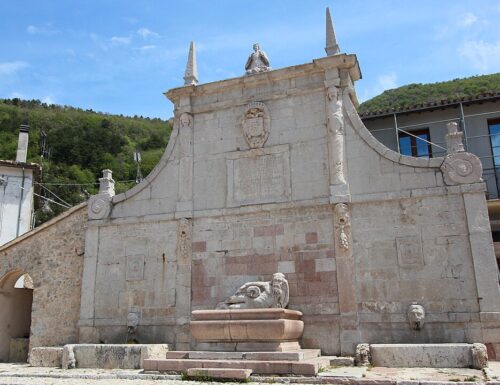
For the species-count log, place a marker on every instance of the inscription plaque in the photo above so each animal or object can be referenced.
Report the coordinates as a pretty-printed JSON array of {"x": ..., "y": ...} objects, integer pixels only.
[{"x": 259, "y": 178}]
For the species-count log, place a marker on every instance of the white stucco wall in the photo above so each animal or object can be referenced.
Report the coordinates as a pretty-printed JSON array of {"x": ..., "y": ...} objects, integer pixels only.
[{"x": 13, "y": 198}]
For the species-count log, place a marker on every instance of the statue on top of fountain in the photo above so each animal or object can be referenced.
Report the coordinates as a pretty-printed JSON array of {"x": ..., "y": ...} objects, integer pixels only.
[
  {"x": 255, "y": 295},
  {"x": 257, "y": 61}
]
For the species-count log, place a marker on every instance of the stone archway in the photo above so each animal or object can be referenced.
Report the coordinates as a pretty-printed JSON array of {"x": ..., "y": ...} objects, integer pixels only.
[{"x": 16, "y": 298}]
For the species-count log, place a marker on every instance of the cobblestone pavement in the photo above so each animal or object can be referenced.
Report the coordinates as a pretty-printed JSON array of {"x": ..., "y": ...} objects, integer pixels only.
[{"x": 21, "y": 374}]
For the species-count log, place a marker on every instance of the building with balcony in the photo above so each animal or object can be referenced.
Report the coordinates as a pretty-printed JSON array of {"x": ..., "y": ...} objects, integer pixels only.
[{"x": 420, "y": 130}]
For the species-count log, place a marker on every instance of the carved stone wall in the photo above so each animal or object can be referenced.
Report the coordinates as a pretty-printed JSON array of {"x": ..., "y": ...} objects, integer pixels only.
[{"x": 275, "y": 172}]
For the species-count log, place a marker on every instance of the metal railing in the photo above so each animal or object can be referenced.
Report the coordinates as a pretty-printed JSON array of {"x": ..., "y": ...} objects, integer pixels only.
[{"x": 491, "y": 175}]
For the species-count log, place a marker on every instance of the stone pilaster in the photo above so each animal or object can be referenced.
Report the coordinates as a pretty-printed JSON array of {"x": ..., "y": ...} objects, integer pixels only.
[
  {"x": 183, "y": 283},
  {"x": 339, "y": 188},
  {"x": 185, "y": 122},
  {"x": 346, "y": 279}
]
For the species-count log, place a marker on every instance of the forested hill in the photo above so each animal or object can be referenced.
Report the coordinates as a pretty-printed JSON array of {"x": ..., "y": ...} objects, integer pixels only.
[
  {"x": 78, "y": 145},
  {"x": 414, "y": 94}
]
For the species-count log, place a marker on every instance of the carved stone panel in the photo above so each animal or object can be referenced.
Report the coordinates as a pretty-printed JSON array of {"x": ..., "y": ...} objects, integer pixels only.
[
  {"x": 256, "y": 124},
  {"x": 409, "y": 251},
  {"x": 135, "y": 268},
  {"x": 462, "y": 167},
  {"x": 259, "y": 178},
  {"x": 184, "y": 246},
  {"x": 99, "y": 206},
  {"x": 342, "y": 227}
]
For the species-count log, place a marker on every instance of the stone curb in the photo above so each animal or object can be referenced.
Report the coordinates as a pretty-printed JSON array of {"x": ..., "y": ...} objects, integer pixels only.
[
  {"x": 256, "y": 379},
  {"x": 117, "y": 376}
]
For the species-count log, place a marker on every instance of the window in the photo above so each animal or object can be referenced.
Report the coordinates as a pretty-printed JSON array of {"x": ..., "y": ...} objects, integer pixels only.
[
  {"x": 494, "y": 127},
  {"x": 409, "y": 145}
]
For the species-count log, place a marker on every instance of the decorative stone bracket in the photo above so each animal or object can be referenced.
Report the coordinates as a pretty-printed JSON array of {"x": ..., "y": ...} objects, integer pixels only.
[
  {"x": 459, "y": 166},
  {"x": 99, "y": 206}
]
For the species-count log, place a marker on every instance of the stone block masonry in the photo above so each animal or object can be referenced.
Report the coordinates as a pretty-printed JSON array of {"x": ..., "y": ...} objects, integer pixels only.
[
  {"x": 52, "y": 255},
  {"x": 266, "y": 173}
]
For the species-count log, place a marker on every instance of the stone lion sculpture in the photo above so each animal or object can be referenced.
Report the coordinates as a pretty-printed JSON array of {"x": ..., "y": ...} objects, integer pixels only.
[
  {"x": 416, "y": 316},
  {"x": 255, "y": 295}
]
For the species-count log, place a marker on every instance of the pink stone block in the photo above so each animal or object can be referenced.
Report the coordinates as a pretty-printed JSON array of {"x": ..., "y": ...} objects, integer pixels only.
[
  {"x": 268, "y": 231},
  {"x": 150, "y": 365},
  {"x": 311, "y": 238},
  {"x": 199, "y": 247}
]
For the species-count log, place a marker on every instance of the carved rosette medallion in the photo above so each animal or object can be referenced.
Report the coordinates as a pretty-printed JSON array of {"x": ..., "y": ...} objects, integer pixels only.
[
  {"x": 342, "y": 226},
  {"x": 461, "y": 168},
  {"x": 99, "y": 206},
  {"x": 256, "y": 124}
]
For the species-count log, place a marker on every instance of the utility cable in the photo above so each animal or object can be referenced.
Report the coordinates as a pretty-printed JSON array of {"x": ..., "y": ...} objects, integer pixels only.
[
  {"x": 41, "y": 196},
  {"x": 46, "y": 189}
]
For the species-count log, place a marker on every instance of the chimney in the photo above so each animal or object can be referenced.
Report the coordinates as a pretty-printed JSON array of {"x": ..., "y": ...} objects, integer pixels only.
[{"x": 22, "y": 144}]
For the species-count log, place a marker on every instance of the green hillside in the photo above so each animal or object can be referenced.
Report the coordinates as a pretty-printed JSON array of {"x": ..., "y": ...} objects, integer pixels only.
[
  {"x": 78, "y": 145},
  {"x": 413, "y": 94}
]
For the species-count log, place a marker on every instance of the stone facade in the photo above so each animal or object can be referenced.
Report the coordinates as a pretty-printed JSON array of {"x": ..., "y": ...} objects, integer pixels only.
[
  {"x": 52, "y": 255},
  {"x": 275, "y": 172}
]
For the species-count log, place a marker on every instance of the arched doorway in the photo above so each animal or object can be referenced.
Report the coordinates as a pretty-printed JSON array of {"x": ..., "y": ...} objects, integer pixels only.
[{"x": 16, "y": 298}]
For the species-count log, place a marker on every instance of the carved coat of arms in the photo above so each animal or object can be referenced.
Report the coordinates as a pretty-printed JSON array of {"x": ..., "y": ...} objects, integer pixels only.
[{"x": 256, "y": 124}]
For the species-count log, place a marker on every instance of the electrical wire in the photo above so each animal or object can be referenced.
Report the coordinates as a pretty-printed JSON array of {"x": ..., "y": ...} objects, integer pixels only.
[
  {"x": 41, "y": 196},
  {"x": 82, "y": 184},
  {"x": 46, "y": 189}
]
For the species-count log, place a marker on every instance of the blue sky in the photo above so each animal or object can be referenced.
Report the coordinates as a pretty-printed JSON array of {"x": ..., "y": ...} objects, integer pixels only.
[{"x": 120, "y": 56}]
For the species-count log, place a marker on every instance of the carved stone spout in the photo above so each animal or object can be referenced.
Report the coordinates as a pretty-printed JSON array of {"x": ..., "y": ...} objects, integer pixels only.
[{"x": 254, "y": 295}]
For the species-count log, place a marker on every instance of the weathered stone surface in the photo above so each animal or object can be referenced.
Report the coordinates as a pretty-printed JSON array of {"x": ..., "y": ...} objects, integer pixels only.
[
  {"x": 422, "y": 355},
  {"x": 19, "y": 349},
  {"x": 46, "y": 356},
  {"x": 234, "y": 326},
  {"x": 342, "y": 361},
  {"x": 107, "y": 356}
]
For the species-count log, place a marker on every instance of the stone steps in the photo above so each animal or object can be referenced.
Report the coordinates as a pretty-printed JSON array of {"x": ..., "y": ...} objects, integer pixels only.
[
  {"x": 306, "y": 367},
  {"x": 298, "y": 355},
  {"x": 204, "y": 373}
]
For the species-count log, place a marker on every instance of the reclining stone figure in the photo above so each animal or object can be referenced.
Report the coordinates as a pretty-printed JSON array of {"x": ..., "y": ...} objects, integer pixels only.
[{"x": 257, "y": 295}]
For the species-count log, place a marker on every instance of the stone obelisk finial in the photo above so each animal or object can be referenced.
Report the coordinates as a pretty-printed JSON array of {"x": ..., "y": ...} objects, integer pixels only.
[
  {"x": 191, "y": 74},
  {"x": 332, "y": 48}
]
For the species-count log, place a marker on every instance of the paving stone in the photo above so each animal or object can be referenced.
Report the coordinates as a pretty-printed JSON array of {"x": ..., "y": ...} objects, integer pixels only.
[{"x": 239, "y": 374}]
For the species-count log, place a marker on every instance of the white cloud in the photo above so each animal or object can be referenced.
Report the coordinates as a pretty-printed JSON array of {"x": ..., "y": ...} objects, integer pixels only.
[
  {"x": 147, "y": 48},
  {"x": 48, "y": 100},
  {"x": 44, "y": 30},
  {"x": 10, "y": 68},
  {"x": 145, "y": 33},
  {"x": 18, "y": 95},
  {"x": 483, "y": 56},
  {"x": 387, "y": 81},
  {"x": 469, "y": 19},
  {"x": 384, "y": 82},
  {"x": 120, "y": 40}
]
